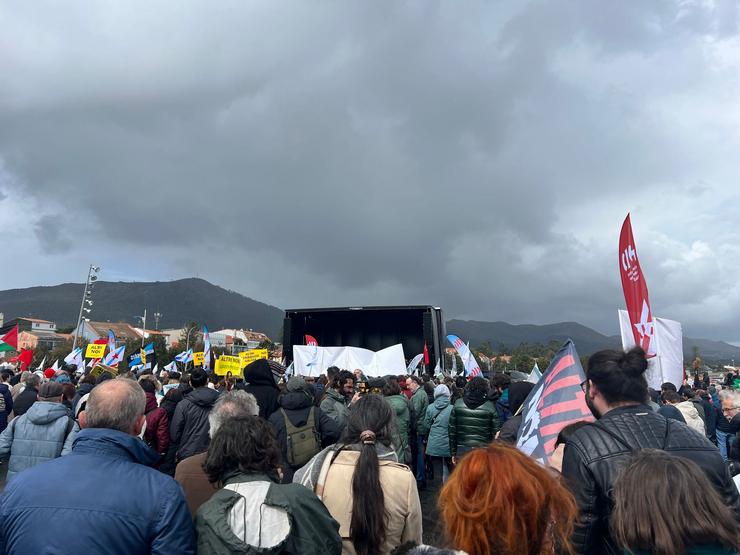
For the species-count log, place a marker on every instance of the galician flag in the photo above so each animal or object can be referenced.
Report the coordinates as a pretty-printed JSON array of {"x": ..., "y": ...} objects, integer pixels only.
[
  {"x": 9, "y": 341},
  {"x": 185, "y": 356},
  {"x": 114, "y": 357}
]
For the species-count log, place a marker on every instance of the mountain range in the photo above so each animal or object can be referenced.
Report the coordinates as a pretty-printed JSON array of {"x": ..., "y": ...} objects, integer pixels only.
[{"x": 193, "y": 299}]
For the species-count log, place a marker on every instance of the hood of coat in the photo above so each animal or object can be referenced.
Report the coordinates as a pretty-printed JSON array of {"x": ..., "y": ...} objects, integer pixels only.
[
  {"x": 474, "y": 398},
  {"x": 203, "y": 396},
  {"x": 114, "y": 443},
  {"x": 295, "y": 400},
  {"x": 335, "y": 395},
  {"x": 518, "y": 392},
  {"x": 442, "y": 402},
  {"x": 259, "y": 373},
  {"x": 84, "y": 389},
  {"x": 45, "y": 412},
  {"x": 151, "y": 402}
]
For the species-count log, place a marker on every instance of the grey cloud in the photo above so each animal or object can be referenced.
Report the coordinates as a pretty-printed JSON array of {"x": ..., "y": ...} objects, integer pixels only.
[{"x": 410, "y": 152}]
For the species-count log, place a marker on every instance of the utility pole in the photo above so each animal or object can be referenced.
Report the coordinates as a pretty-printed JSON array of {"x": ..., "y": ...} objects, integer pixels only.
[
  {"x": 86, "y": 293},
  {"x": 143, "y": 327},
  {"x": 157, "y": 316}
]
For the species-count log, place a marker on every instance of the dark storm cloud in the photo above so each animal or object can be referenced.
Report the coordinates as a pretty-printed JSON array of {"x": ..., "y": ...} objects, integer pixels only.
[{"x": 481, "y": 159}]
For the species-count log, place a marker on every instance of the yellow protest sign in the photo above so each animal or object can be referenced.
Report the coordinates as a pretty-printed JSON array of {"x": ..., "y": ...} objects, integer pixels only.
[
  {"x": 101, "y": 369},
  {"x": 226, "y": 364},
  {"x": 248, "y": 357},
  {"x": 198, "y": 358},
  {"x": 95, "y": 351}
]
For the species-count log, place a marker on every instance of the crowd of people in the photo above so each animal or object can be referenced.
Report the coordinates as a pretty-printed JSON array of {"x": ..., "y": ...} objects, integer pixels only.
[{"x": 268, "y": 463}]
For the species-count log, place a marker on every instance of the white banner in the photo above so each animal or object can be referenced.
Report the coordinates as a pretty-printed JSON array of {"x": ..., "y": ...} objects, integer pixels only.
[
  {"x": 313, "y": 361},
  {"x": 667, "y": 365}
]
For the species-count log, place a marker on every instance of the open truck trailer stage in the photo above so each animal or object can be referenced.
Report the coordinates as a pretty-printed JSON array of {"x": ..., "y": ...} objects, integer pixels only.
[{"x": 368, "y": 327}]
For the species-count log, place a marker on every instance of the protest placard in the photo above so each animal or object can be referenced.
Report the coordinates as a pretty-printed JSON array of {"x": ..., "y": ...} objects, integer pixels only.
[
  {"x": 226, "y": 364},
  {"x": 95, "y": 351},
  {"x": 248, "y": 357},
  {"x": 198, "y": 358}
]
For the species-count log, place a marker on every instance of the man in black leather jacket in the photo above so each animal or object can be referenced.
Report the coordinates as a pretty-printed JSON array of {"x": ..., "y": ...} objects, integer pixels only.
[{"x": 616, "y": 392}]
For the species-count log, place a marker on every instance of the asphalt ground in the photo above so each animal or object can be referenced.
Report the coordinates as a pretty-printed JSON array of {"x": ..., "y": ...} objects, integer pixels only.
[{"x": 432, "y": 531}]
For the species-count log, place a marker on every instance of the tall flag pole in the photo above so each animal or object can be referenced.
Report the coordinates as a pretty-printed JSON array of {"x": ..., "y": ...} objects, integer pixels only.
[
  {"x": 635, "y": 290},
  {"x": 556, "y": 401}
]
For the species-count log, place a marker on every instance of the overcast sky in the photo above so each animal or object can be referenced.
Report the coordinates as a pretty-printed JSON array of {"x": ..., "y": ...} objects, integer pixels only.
[{"x": 480, "y": 157}]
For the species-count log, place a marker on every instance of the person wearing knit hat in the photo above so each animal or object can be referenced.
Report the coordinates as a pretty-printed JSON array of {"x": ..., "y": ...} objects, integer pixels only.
[
  {"x": 44, "y": 432},
  {"x": 308, "y": 426},
  {"x": 436, "y": 425},
  {"x": 49, "y": 373}
]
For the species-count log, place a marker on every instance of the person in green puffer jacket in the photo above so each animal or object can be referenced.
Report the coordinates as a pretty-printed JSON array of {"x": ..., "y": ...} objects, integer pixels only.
[
  {"x": 474, "y": 420},
  {"x": 400, "y": 405}
]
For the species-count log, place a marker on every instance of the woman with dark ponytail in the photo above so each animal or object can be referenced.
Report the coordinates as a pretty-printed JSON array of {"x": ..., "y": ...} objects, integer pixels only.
[
  {"x": 616, "y": 392},
  {"x": 370, "y": 494}
]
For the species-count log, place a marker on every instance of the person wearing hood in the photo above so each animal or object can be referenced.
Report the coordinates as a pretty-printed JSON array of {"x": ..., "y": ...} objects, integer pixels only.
[
  {"x": 157, "y": 434},
  {"x": 261, "y": 384},
  {"x": 44, "y": 432},
  {"x": 189, "y": 428},
  {"x": 302, "y": 429},
  {"x": 474, "y": 420},
  {"x": 102, "y": 497},
  {"x": 436, "y": 425},
  {"x": 84, "y": 387},
  {"x": 518, "y": 392}
]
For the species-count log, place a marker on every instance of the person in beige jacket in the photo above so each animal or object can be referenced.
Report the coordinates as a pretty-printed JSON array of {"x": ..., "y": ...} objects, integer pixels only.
[{"x": 349, "y": 478}]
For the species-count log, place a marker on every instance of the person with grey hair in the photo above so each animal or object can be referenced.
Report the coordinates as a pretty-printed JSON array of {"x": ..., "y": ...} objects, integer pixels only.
[
  {"x": 28, "y": 396},
  {"x": 103, "y": 496},
  {"x": 189, "y": 472}
]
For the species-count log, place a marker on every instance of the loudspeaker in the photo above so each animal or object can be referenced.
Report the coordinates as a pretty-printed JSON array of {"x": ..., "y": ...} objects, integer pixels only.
[{"x": 288, "y": 340}]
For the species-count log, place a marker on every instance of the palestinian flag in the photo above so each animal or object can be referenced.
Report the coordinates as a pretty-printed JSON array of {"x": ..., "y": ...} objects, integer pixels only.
[{"x": 9, "y": 341}]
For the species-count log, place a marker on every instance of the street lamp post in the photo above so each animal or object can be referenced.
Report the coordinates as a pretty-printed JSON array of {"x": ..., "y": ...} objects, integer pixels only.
[{"x": 87, "y": 292}]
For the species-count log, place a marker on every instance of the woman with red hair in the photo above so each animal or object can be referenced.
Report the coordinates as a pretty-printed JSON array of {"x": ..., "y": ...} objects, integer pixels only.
[{"x": 499, "y": 501}]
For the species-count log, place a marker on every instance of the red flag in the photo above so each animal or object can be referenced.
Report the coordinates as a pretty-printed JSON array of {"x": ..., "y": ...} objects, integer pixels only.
[
  {"x": 426, "y": 354},
  {"x": 635, "y": 290},
  {"x": 9, "y": 341},
  {"x": 25, "y": 358},
  {"x": 311, "y": 341}
]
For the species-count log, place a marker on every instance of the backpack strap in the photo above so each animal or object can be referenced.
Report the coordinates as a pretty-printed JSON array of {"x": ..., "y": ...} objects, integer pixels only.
[{"x": 69, "y": 428}]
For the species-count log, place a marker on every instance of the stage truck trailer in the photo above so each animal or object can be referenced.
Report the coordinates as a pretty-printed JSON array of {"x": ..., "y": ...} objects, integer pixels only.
[{"x": 368, "y": 327}]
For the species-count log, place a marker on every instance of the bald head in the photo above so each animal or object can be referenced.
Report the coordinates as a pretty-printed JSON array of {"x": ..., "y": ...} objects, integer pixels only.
[{"x": 117, "y": 405}]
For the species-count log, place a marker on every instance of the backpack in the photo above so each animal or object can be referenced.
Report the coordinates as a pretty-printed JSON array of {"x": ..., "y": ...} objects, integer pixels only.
[{"x": 303, "y": 442}]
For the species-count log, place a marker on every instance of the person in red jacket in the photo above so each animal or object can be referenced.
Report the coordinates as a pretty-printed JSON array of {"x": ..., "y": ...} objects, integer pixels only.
[{"x": 157, "y": 434}]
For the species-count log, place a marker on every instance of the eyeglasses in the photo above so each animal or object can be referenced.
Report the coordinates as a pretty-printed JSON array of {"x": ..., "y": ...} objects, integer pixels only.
[
  {"x": 728, "y": 409},
  {"x": 584, "y": 385}
]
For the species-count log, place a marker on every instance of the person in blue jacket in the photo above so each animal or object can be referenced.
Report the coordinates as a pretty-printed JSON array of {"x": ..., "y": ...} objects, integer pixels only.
[{"x": 103, "y": 497}]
